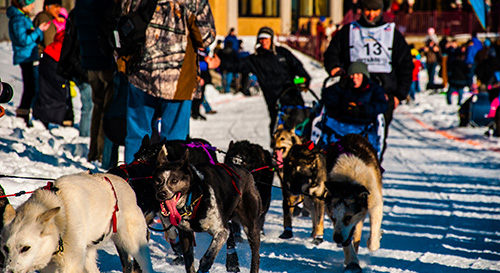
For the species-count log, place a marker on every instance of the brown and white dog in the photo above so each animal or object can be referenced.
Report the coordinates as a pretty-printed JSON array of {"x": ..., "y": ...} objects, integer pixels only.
[
  {"x": 281, "y": 143},
  {"x": 305, "y": 174},
  {"x": 354, "y": 187}
]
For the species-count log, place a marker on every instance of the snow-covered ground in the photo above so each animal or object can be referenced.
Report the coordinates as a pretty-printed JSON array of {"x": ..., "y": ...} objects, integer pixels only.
[{"x": 441, "y": 185}]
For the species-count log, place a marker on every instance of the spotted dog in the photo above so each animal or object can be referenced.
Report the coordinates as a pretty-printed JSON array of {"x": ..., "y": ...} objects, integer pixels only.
[{"x": 205, "y": 198}]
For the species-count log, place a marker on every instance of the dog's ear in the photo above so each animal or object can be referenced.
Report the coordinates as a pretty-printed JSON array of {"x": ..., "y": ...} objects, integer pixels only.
[
  {"x": 162, "y": 156},
  {"x": 46, "y": 216},
  {"x": 9, "y": 214},
  {"x": 145, "y": 141},
  {"x": 185, "y": 160},
  {"x": 280, "y": 127},
  {"x": 230, "y": 144}
]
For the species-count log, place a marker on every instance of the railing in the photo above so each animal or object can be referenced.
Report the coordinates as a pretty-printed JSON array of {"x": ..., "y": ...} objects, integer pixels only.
[{"x": 416, "y": 23}]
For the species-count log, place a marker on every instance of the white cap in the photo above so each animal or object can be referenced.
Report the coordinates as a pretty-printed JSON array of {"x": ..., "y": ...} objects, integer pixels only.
[{"x": 264, "y": 35}]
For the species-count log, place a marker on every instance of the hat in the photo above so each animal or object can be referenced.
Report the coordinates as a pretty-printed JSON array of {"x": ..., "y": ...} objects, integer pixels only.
[
  {"x": 372, "y": 4},
  {"x": 52, "y": 2},
  {"x": 24, "y": 3},
  {"x": 358, "y": 67},
  {"x": 265, "y": 32},
  {"x": 414, "y": 52}
]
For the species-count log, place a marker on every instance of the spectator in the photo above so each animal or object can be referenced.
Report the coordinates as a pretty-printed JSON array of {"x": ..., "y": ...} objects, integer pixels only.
[
  {"x": 355, "y": 99},
  {"x": 417, "y": 66},
  {"x": 457, "y": 76},
  {"x": 97, "y": 59},
  {"x": 474, "y": 45},
  {"x": 393, "y": 66},
  {"x": 231, "y": 37},
  {"x": 329, "y": 30},
  {"x": 431, "y": 36},
  {"x": 275, "y": 68},
  {"x": 54, "y": 100},
  {"x": 204, "y": 79},
  {"x": 25, "y": 38},
  {"x": 228, "y": 65},
  {"x": 162, "y": 80},
  {"x": 432, "y": 55},
  {"x": 70, "y": 67}
]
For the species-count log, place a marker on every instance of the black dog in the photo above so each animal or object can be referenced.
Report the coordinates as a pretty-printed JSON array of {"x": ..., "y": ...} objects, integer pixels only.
[
  {"x": 139, "y": 174},
  {"x": 205, "y": 198},
  {"x": 259, "y": 162}
]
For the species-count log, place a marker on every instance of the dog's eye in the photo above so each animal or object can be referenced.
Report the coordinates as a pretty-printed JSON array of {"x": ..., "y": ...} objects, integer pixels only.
[
  {"x": 25, "y": 248},
  {"x": 6, "y": 249},
  {"x": 174, "y": 181},
  {"x": 157, "y": 181},
  {"x": 347, "y": 218}
]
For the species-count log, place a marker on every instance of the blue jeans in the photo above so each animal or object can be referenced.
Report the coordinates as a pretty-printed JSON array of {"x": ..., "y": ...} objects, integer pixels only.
[
  {"x": 414, "y": 88},
  {"x": 141, "y": 109},
  {"x": 205, "y": 104},
  {"x": 431, "y": 71},
  {"x": 87, "y": 105},
  {"x": 227, "y": 79}
]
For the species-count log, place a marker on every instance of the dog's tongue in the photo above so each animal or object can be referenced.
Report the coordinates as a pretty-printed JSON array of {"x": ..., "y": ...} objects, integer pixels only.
[
  {"x": 279, "y": 158},
  {"x": 173, "y": 216}
]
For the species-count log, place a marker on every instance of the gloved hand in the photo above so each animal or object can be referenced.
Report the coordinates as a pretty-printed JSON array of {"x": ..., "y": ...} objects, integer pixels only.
[{"x": 355, "y": 111}]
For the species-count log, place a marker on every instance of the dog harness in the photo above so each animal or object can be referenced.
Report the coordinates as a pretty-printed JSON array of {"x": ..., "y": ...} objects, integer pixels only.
[
  {"x": 232, "y": 173},
  {"x": 113, "y": 219},
  {"x": 205, "y": 148}
]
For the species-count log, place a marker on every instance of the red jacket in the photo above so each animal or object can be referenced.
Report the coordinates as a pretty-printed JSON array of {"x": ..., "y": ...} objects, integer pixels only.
[{"x": 54, "y": 49}]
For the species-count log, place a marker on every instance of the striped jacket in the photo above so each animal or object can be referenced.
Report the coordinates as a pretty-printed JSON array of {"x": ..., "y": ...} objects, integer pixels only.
[{"x": 167, "y": 64}]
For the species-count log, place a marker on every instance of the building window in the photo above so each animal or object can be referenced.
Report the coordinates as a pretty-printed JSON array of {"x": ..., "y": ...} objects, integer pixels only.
[
  {"x": 258, "y": 8},
  {"x": 4, "y": 3},
  {"x": 314, "y": 8}
]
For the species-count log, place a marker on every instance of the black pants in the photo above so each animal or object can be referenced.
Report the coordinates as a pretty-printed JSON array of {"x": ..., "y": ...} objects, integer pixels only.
[
  {"x": 388, "y": 118},
  {"x": 28, "y": 85}
]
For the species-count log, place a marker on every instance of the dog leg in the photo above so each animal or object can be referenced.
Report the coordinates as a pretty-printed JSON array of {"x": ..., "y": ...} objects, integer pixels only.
[
  {"x": 288, "y": 207},
  {"x": 186, "y": 238},
  {"x": 90, "y": 261},
  {"x": 356, "y": 237},
  {"x": 318, "y": 221},
  {"x": 218, "y": 240},
  {"x": 129, "y": 265},
  {"x": 350, "y": 255},
  {"x": 232, "y": 262},
  {"x": 376, "y": 213},
  {"x": 253, "y": 235}
]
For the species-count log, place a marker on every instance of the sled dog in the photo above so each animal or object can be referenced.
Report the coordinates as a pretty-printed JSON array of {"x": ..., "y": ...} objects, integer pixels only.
[
  {"x": 354, "y": 187},
  {"x": 281, "y": 143},
  {"x": 304, "y": 172},
  {"x": 60, "y": 227},
  {"x": 259, "y": 162},
  {"x": 205, "y": 198}
]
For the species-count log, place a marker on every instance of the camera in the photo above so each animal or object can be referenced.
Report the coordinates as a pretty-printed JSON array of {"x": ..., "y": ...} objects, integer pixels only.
[{"x": 6, "y": 92}]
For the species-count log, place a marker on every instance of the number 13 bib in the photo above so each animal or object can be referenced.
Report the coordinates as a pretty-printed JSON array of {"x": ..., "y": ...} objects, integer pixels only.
[{"x": 372, "y": 46}]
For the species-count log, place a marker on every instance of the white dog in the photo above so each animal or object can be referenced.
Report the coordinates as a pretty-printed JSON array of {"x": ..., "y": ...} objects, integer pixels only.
[{"x": 60, "y": 227}]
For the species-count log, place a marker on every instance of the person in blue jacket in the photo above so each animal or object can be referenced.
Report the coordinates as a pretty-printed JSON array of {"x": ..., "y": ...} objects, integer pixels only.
[
  {"x": 355, "y": 99},
  {"x": 25, "y": 38}
]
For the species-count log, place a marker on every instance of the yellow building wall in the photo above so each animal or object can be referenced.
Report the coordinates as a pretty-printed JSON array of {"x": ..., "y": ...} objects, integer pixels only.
[
  {"x": 219, "y": 10},
  {"x": 251, "y": 25}
]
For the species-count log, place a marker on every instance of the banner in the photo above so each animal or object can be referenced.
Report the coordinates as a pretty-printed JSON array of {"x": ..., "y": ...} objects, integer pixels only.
[{"x": 479, "y": 7}]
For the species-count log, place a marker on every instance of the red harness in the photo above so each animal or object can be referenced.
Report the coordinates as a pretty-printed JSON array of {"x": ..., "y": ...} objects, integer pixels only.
[{"x": 116, "y": 205}]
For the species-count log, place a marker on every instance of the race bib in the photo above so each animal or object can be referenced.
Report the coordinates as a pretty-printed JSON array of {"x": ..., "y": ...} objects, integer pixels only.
[{"x": 372, "y": 46}]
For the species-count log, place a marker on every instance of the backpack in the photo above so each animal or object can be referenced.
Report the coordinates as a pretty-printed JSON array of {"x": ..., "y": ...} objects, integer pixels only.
[{"x": 130, "y": 32}]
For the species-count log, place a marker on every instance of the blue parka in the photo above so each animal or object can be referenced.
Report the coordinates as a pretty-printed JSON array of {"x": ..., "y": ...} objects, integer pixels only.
[{"x": 24, "y": 36}]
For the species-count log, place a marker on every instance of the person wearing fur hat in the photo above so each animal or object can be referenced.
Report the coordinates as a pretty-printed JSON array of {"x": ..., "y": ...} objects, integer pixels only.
[
  {"x": 381, "y": 47},
  {"x": 25, "y": 38},
  {"x": 355, "y": 99},
  {"x": 275, "y": 68}
]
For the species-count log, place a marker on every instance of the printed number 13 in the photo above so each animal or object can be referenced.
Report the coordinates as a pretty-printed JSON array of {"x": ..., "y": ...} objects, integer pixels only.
[{"x": 377, "y": 49}]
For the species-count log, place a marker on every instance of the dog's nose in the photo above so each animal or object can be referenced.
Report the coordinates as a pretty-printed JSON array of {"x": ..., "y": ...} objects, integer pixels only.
[
  {"x": 337, "y": 237},
  {"x": 161, "y": 196}
]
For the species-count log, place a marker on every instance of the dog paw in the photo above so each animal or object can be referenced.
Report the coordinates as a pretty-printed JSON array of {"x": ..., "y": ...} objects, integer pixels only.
[
  {"x": 317, "y": 241},
  {"x": 373, "y": 244},
  {"x": 178, "y": 261},
  {"x": 287, "y": 234},
  {"x": 353, "y": 268},
  {"x": 232, "y": 262}
]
